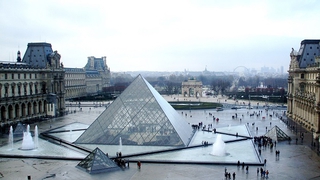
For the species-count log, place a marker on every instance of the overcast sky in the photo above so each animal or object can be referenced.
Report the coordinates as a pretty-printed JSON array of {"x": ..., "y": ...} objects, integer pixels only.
[{"x": 162, "y": 35}]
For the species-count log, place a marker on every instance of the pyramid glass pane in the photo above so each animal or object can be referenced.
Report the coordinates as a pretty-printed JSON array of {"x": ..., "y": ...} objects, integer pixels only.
[
  {"x": 277, "y": 134},
  {"x": 140, "y": 116},
  {"x": 96, "y": 162}
]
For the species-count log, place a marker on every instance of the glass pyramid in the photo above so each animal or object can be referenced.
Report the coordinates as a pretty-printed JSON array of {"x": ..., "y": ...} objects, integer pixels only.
[
  {"x": 277, "y": 134},
  {"x": 97, "y": 162},
  {"x": 140, "y": 116}
]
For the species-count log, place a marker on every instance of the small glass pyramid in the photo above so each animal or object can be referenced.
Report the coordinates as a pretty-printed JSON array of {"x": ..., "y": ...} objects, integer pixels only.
[
  {"x": 140, "y": 116},
  {"x": 277, "y": 134},
  {"x": 97, "y": 162}
]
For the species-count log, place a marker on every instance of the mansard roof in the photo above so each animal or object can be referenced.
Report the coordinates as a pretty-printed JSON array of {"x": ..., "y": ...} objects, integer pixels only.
[
  {"x": 37, "y": 53},
  {"x": 309, "y": 49}
]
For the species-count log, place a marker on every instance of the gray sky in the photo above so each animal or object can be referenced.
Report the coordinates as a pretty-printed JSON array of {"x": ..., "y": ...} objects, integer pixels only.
[{"x": 162, "y": 35}]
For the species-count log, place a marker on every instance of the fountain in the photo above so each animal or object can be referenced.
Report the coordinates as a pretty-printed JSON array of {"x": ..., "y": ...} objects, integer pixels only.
[
  {"x": 27, "y": 142},
  {"x": 120, "y": 144},
  {"x": 36, "y": 135},
  {"x": 10, "y": 141},
  {"x": 219, "y": 147}
]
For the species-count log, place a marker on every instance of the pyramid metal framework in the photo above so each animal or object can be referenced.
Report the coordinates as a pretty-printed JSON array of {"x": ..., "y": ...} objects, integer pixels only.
[
  {"x": 140, "y": 116},
  {"x": 97, "y": 162},
  {"x": 277, "y": 134}
]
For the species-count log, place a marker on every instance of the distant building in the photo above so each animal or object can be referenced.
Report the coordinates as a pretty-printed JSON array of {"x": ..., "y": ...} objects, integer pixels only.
[
  {"x": 97, "y": 74},
  {"x": 32, "y": 87},
  {"x": 304, "y": 86},
  {"x": 75, "y": 83},
  {"x": 191, "y": 88},
  {"x": 89, "y": 80}
]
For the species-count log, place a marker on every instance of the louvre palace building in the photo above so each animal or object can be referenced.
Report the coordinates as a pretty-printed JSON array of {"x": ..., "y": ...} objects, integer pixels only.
[
  {"x": 89, "y": 80},
  {"x": 37, "y": 85},
  {"x": 304, "y": 86}
]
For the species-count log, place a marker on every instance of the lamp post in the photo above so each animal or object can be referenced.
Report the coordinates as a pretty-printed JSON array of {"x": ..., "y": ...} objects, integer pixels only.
[
  {"x": 312, "y": 130},
  {"x": 318, "y": 144}
]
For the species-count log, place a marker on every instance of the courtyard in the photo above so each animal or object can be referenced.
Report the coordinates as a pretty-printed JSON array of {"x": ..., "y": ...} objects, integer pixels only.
[{"x": 296, "y": 161}]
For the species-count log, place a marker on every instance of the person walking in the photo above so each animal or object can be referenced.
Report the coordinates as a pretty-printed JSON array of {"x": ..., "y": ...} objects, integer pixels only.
[
  {"x": 234, "y": 175},
  {"x": 257, "y": 171},
  {"x": 247, "y": 169},
  {"x": 139, "y": 164}
]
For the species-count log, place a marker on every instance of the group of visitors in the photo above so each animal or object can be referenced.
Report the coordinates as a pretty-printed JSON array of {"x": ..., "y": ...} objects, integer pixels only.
[
  {"x": 205, "y": 143},
  {"x": 227, "y": 174},
  {"x": 263, "y": 173},
  {"x": 120, "y": 161},
  {"x": 264, "y": 141}
]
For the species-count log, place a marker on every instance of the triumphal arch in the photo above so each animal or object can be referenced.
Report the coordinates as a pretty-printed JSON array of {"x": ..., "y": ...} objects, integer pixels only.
[{"x": 192, "y": 88}]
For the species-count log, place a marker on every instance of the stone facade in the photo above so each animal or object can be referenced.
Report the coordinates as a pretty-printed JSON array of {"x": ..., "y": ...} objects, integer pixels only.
[
  {"x": 97, "y": 74},
  {"x": 32, "y": 87},
  {"x": 90, "y": 80},
  {"x": 191, "y": 88},
  {"x": 304, "y": 86},
  {"x": 75, "y": 83}
]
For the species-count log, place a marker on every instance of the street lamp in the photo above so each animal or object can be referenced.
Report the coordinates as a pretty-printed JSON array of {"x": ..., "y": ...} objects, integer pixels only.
[
  {"x": 312, "y": 130},
  {"x": 318, "y": 143}
]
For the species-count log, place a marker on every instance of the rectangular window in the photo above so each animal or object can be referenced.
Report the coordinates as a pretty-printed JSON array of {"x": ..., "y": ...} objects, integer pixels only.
[
  {"x": 12, "y": 90},
  {"x": 6, "y": 76},
  {"x": 25, "y": 76},
  {"x": 12, "y": 76},
  {"x": 18, "y": 76},
  {"x": 30, "y": 86},
  {"x": 302, "y": 76},
  {"x": 25, "y": 89},
  {"x": 6, "y": 91}
]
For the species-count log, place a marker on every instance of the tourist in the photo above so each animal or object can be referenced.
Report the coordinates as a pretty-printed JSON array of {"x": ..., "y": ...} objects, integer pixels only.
[
  {"x": 234, "y": 175},
  {"x": 257, "y": 171},
  {"x": 267, "y": 173},
  {"x": 139, "y": 164},
  {"x": 247, "y": 169},
  {"x": 265, "y": 162}
]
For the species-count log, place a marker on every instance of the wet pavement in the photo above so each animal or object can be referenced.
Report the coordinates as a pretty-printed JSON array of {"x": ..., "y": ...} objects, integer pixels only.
[{"x": 296, "y": 161}]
